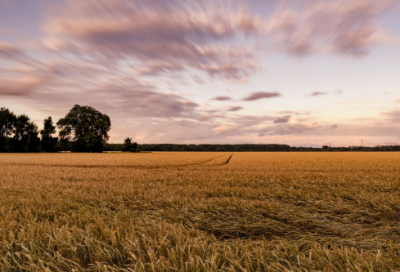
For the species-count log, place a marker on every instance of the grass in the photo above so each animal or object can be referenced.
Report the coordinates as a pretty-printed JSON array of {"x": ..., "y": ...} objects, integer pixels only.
[{"x": 200, "y": 212}]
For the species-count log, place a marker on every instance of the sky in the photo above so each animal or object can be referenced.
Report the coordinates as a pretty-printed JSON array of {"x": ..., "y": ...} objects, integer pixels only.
[{"x": 303, "y": 73}]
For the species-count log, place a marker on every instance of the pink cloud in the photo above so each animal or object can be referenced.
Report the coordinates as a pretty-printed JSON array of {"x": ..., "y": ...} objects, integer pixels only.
[
  {"x": 347, "y": 27},
  {"x": 20, "y": 86},
  {"x": 221, "y": 130},
  {"x": 288, "y": 126},
  {"x": 261, "y": 95},
  {"x": 9, "y": 51},
  {"x": 318, "y": 93},
  {"x": 227, "y": 129},
  {"x": 393, "y": 115},
  {"x": 235, "y": 108},
  {"x": 222, "y": 98},
  {"x": 180, "y": 33},
  {"x": 291, "y": 112},
  {"x": 283, "y": 119},
  {"x": 198, "y": 80}
]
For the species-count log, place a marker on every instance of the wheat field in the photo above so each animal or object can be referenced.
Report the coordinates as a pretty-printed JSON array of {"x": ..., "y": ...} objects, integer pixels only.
[{"x": 200, "y": 212}]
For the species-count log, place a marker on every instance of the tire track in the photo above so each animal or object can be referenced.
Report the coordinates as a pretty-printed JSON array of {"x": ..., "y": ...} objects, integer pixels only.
[
  {"x": 227, "y": 161},
  {"x": 170, "y": 166}
]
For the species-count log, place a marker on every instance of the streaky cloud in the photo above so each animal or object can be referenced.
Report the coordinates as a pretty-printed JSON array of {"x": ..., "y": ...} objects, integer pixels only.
[
  {"x": 222, "y": 98},
  {"x": 261, "y": 95},
  {"x": 235, "y": 108},
  {"x": 318, "y": 93},
  {"x": 283, "y": 119}
]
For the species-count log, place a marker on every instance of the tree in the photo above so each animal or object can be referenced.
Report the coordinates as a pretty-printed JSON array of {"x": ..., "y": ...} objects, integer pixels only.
[
  {"x": 86, "y": 127},
  {"x": 7, "y": 120},
  {"x": 48, "y": 142},
  {"x": 20, "y": 140},
  {"x": 25, "y": 135},
  {"x": 130, "y": 146},
  {"x": 34, "y": 140}
]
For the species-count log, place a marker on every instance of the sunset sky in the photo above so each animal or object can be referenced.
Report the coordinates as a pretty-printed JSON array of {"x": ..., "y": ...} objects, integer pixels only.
[{"x": 303, "y": 73}]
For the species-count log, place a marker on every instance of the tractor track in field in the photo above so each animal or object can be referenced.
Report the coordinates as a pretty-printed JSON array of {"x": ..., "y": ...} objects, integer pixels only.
[
  {"x": 170, "y": 166},
  {"x": 227, "y": 161}
]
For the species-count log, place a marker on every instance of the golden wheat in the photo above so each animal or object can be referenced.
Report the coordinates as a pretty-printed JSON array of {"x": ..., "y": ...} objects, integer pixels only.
[{"x": 200, "y": 212}]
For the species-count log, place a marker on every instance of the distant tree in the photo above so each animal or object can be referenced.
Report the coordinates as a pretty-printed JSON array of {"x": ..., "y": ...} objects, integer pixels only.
[
  {"x": 21, "y": 139},
  {"x": 48, "y": 142},
  {"x": 25, "y": 137},
  {"x": 48, "y": 128},
  {"x": 86, "y": 127},
  {"x": 130, "y": 146},
  {"x": 7, "y": 120},
  {"x": 34, "y": 140}
]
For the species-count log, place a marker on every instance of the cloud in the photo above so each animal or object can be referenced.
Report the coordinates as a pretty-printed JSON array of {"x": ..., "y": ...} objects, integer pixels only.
[
  {"x": 260, "y": 95},
  {"x": 222, "y": 98},
  {"x": 147, "y": 103},
  {"x": 163, "y": 36},
  {"x": 16, "y": 54},
  {"x": 252, "y": 120},
  {"x": 384, "y": 130},
  {"x": 20, "y": 86},
  {"x": 235, "y": 108},
  {"x": 334, "y": 126},
  {"x": 393, "y": 115},
  {"x": 227, "y": 130},
  {"x": 9, "y": 51},
  {"x": 398, "y": 100},
  {"x": 283, "y": 119},
  {"x": 157, "y": 68},
  {"x": 318, "y": 93},
  {"x": 290, "y": 112},
  {"x": 258, "y": 125},
  {"x": 138, "y": 101},
  {"x": 346, "y": 27},
  {"x": 221, "y": 130},
  {"x": 291, "y": 126},
  {"x": 197, "y": 80}
]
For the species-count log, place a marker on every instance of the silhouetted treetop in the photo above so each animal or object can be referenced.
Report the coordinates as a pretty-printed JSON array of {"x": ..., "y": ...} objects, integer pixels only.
[
  {"x": 7, "y": 119},
  {"x": 48, "y": 128},
  {"x": 48, "y": 143},
  {"x": 86, "y": 127},
  {"x": 129, "y": 145}
]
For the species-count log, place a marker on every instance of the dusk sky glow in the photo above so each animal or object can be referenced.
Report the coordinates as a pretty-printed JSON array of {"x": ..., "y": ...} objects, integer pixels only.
[{"x": 303, "y": 73}]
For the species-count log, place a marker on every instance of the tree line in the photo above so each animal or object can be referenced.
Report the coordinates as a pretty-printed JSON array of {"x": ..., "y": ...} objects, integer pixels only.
[
  {"x": 83, "y": 129},
  {"x": 20, "y": 134}
]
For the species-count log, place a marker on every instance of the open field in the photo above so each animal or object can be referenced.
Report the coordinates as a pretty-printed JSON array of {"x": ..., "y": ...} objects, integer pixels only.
[{"x": 200, "y": 212}]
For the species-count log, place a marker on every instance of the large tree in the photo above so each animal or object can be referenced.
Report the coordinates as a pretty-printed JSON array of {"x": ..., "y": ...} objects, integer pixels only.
[
  {"x": 86, "y": 127},
  {"x": 48, "y": 142}
]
